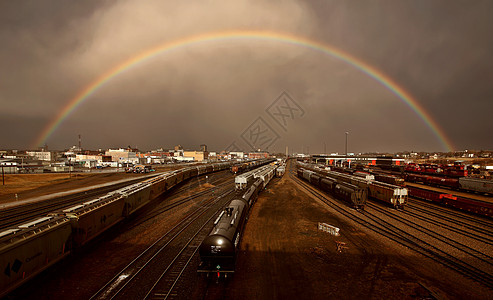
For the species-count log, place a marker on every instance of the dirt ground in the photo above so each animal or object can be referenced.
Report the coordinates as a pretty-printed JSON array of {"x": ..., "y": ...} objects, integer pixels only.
[{"x": 284, "y": 256}]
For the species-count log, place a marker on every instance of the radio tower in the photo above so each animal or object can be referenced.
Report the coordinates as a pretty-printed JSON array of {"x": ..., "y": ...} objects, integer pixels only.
[{"x": 80, "y": 144}]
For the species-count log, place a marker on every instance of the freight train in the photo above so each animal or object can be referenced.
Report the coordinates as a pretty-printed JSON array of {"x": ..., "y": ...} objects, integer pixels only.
[
  {"x": 219, "y": 250},
  {"x": 355, "y": 196},
  {"x": 466, "y": 204},
  {"x": 393, "y": 195},
  {"x": 30, "y": 248},
  {"x": 249, "y": 165},
  {"x": 469, "y": 184}
]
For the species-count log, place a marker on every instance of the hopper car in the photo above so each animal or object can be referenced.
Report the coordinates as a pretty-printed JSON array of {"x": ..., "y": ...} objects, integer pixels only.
[
  {"x": 265, "y": 173},
  {"x": 91, "y": 218},
  {"x": 280, "y": 171},
  {"x": 30, "y": 248},
  {"x": 242, "y": 181},
  {"x": 476, "y": 185},
  {"x": 389, "y": 193}
]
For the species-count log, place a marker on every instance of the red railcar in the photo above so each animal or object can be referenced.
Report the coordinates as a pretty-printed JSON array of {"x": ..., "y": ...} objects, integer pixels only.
[
  {"x": 417, "y": 178},
  {"x": 462, "y": 203},
  {"x": 431, "y": 169},
  {"x": 389, "y": 179},
  {"x": 424, "y": 194},
  {"x": 412, "y": 167},
  {"x": 472, "y": 205},
  {"x": 442, "y": 181},
  {"x": 454, "y": 172}
]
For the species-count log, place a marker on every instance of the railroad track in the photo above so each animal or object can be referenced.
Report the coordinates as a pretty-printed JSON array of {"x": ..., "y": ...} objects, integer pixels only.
[
  {"x": 425, "y": 248},
  {"x": 440, "y": 237},
  {"x": 174, "y": 204},
  {"x": 444, "y": 221},
  {"x": 374, "y": 223},
  {"x": 476, "y": 219},
  {"x": 16, "y": 215},
  {"x": 144, "y": 277}
]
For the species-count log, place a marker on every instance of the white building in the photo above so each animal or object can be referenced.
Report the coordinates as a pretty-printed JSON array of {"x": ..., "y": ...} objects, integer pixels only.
[
  {"x": 89, "y": 163},
  {"x": 236, "y": 154},
  {"x": 41, "y": 155},
  {"x": 123, "y": 156}
]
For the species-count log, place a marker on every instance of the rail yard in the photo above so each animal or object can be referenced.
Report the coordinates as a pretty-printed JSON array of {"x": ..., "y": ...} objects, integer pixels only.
[{"x": 264, "y": 229}]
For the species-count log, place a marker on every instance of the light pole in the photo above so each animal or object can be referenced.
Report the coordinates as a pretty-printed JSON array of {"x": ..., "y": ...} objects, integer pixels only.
[{"x": 346, "y": 141}]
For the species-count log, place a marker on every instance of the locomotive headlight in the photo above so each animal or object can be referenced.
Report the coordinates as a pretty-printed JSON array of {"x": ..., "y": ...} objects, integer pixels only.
[{"x": 219, "y": 242}]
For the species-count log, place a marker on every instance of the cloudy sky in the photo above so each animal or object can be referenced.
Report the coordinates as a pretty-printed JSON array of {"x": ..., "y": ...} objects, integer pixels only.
[{"x": 225, "y": 92}]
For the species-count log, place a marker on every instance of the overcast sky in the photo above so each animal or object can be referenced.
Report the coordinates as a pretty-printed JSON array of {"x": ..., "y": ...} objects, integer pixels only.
[{"x": 218, "y": 92}]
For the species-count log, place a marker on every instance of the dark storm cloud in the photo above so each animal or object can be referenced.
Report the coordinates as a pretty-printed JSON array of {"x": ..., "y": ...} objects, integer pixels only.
[
  {"x": 437, "y": 50},
  {"x": 211, "y": 92}
]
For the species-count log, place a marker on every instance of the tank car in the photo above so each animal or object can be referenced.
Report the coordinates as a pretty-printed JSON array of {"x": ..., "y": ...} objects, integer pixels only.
[
  {"x": 252, "y": 193},
  {"x": 352, "y": 194},
  {"x": 218, "y": 250}
]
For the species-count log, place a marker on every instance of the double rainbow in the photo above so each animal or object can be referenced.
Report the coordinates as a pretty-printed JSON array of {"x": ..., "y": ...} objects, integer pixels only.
[{"x": 369, "y": 70}]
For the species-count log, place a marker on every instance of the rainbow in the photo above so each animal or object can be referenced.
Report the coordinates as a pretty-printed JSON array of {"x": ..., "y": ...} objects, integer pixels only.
[{"x": 367, "y": 69}]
